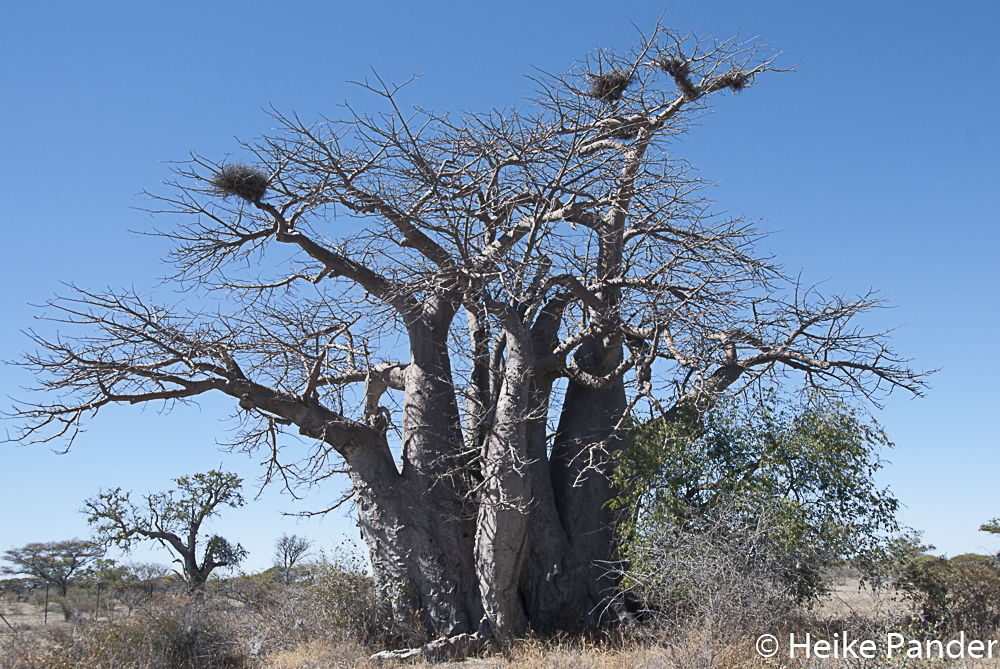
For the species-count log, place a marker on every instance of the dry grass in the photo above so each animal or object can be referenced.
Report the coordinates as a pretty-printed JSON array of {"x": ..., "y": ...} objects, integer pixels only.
[
  {"x": 27, "y": 615},
  {"x": 697, "y": 651},
  {"x": 283, "y": 628},
  {"x": 694, "y": 649},
  {"x": 320, "y": 655}
]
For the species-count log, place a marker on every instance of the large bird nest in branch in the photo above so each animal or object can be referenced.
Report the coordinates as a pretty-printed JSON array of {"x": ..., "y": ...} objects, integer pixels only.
[
  {"x": 678, "y": 68},
  {"x": 736, "y": 80},
  {"x": 241, "y": 180},
  {"x": 609, "y": 87}
]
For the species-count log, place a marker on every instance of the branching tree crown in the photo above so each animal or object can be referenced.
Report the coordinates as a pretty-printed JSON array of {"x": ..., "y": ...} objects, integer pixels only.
[
  {"x": 57, "y": 563},
  {"x": 174, "y": 519},
  {"x": 498, "y": 291}
]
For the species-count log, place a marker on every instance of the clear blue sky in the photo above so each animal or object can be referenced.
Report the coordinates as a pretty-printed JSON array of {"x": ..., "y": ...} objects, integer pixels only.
[{"x": 875, "y": 163}]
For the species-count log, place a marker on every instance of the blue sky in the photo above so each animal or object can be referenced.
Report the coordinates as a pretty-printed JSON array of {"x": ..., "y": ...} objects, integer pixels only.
[{"x": 875, "y": 163}]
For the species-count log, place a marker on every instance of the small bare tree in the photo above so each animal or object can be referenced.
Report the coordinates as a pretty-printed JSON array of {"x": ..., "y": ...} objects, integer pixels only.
[
  {"x": 545, "y": 269},
  {"x": 288, "y": 551}
]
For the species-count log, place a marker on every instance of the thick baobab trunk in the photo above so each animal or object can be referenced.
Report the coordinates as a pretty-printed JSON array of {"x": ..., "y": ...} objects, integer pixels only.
[
  {"x": 421, "y": 529},
  {"x": 582, "y": 458},
  {"x": 553, "y": 581},
  {"x": 536, "y": 549},
  {"x": 507, "y": 491},
  {"x": 419, "y": 564},
  {"x": 581, "y": 467}
]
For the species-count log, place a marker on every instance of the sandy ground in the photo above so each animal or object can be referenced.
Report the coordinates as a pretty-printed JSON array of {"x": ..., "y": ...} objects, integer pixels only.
[
  {"x": 849, "y": 598},
  {"x": 20, "y": 615},
  {"x": 23, "y": 616}
]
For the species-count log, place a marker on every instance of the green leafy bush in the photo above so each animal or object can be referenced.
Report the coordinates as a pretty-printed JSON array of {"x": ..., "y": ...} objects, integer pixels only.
[{"x": 809, "y": 466}]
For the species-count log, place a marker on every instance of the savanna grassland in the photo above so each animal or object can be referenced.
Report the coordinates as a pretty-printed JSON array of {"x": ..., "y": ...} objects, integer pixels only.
[{"x": 329, "y": 617}]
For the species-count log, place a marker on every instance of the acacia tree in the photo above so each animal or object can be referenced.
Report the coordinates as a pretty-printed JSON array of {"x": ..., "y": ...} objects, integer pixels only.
[
  {"x": 57, "y": 563},
  {"x": 174, "y": 519},
  {"x": 498, "y": 290}
]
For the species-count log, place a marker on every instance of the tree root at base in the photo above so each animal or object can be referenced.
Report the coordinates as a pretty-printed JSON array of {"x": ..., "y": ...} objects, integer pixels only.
[{"x": 455, "y": 647}]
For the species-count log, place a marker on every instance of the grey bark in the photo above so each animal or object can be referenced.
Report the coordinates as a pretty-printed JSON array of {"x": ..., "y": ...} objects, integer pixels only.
[
  {"x": 582, "y": 464},
  {"x": 420, "y": 530},
  {"x": 507, "y": 490}
]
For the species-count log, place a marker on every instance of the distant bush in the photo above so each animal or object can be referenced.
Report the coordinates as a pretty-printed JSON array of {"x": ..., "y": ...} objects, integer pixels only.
[
  {"x": 960, "y": 594},
  {"x": 18, "y": 587},
  {"x": 235, "y": 622},
  {"x": 76, "y": 604}
]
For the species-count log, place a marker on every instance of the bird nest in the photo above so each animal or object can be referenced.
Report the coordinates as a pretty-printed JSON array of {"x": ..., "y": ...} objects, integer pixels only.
[
  {"x": 241, "y": 180},
  {"x": 679, "y": 69},
  {"x": 609, "y": 87},
  {"x": 734, "y": 79},
  {"x": 675, "y": 67}
]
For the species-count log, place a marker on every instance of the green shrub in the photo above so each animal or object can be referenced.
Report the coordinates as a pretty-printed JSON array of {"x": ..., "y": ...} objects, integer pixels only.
[
  {"x": 76, "y": 604},
  {"x": 809, "y": 465}
]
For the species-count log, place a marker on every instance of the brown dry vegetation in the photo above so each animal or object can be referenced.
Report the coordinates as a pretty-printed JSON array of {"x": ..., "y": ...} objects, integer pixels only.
[{"x": 331, "y": 620}]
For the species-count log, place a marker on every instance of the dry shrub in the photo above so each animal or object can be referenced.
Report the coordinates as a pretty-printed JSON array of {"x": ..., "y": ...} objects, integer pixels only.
[
  {"x": 344, "y": 598},
  {"x": 726, "y": 577},
  {"x": 334, "y": 606},
  {"x": 77, "y": 604},
  {"x": 183, "y": 632},
  {"x": 16, "y": 649}
]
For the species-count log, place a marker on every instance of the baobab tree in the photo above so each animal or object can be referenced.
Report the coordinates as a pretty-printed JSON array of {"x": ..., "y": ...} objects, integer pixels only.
[{"x": 498, "y": 291}]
